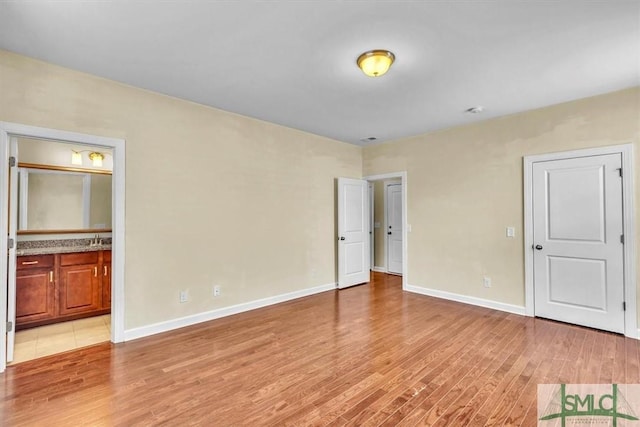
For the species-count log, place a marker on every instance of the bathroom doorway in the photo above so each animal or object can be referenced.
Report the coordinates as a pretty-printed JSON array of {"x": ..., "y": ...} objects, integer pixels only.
[{"x": 60, "y": 219}]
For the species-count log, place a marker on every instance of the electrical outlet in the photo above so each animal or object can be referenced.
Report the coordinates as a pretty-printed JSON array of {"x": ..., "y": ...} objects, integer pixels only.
[
  {"x": 184, "y": 296},
  {"x": 216, "y": 291},
  {"x": 486, "y": 281},
  {"x": 511, "y": 231}
]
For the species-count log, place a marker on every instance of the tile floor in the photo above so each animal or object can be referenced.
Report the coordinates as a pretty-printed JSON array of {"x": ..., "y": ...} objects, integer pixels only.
[{"x": 60, "y": 337}]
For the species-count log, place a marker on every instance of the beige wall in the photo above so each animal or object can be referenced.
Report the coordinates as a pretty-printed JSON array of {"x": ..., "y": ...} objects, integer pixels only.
[
  {"x": 218, "y": 198},
  {"x": 465, "y": 187},
  {"x": 211, "y": 197}
]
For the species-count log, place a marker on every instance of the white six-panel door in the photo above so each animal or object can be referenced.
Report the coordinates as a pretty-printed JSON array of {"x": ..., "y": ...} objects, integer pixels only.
[
  {"x": 353, "y": 232},
  {"x": 394, "y": 228},
  {"x": 578, "y": 252}
]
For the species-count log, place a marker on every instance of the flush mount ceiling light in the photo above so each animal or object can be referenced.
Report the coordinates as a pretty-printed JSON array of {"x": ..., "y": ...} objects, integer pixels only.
[{"x": 375, "y": 63}]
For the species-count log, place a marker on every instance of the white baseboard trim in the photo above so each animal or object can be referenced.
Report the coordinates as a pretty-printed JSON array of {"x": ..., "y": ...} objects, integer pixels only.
[
  {"x": 509, "y": 308},
  {"x": 379, "y": 269},
  {"x": 156, "y": 328}
]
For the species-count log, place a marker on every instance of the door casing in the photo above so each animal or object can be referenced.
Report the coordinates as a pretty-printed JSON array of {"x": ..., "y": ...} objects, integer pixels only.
[
  {"x": 8, "y": 130},
  {"x": 405, "y": 227},
  {"x": 628, "y": 209}
]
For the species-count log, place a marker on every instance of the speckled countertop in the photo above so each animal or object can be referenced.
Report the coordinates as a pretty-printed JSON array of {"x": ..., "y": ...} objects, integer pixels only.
[{"x": 44, "y": 247}]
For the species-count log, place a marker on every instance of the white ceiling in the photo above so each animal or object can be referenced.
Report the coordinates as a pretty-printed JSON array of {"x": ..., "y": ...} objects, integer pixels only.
[{"x": 293, "y": 62}]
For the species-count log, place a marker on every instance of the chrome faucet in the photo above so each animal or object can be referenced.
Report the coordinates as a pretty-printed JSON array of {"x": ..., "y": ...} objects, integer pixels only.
[{"x": 94, "y": 241}]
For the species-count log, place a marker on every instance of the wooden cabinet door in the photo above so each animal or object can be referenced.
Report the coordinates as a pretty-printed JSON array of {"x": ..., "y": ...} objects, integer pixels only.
[
  {"x": 106, "y": 285},
  {"x": 35, "y": 295},
  {"x": 106, "y": 279},
  {"x": 79, "y": 288}
]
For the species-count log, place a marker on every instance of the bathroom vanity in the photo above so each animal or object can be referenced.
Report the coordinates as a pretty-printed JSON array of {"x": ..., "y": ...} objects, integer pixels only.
[{"x": 55, "y": 284}]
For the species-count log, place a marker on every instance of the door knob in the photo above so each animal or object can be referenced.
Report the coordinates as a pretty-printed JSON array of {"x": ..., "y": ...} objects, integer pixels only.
[
  {"x": 342, "y": 238},
  {"x": 539, "y": 247}
]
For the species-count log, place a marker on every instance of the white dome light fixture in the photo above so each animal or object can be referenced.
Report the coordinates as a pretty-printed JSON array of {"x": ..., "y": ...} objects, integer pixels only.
[{"x": 375, "y": 63}]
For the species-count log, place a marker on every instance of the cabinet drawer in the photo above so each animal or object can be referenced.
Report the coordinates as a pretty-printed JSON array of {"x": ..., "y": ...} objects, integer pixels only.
[
  {"x": 34, "y": 261},
  {"x": 79, "y": 258}
]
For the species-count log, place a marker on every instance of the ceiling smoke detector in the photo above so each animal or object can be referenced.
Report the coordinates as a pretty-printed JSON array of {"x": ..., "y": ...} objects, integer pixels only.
[{"x": 475, "y": 110}]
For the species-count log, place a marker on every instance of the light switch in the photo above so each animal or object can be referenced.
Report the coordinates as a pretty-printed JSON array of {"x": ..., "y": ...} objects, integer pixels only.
[
  {"x": 408, "y": 228},
  {"x": 511, "y": 231}
]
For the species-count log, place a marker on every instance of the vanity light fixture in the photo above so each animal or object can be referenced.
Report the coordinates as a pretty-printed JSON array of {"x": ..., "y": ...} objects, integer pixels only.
[
  {"x": 375, "y": 63},
  {"x": 95, "y": 157},
  {"x": 76, "y": 158}
]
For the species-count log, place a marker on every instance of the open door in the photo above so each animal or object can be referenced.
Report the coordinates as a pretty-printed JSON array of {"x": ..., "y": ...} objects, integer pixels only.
[
  {"x": 11, "y": 261},
  {"x": 4, "y": 224},
  {"x": 394, "y": 228},
  {"x": 353, "y": 232}
]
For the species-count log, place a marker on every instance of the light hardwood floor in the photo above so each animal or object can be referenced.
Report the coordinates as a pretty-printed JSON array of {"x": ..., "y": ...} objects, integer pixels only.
[{"x": 370, "y": 355}]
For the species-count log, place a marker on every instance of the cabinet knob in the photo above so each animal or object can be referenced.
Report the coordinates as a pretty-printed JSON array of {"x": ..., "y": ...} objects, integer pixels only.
[
  {"x": 95, "y": 271},
  {"x": 105, "y": 270},
  {"x": 51, "y": 277}
]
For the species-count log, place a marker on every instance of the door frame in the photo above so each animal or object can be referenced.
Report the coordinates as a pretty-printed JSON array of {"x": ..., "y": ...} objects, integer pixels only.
[
  {"x": 628, "y": 219},
  {"x": 9, "y": 130},
  {"x": 405, "y": 253}
]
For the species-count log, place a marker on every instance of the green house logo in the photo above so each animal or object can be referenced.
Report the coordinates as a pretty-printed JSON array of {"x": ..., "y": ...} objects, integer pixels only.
[{"x": 588, "y": 404}]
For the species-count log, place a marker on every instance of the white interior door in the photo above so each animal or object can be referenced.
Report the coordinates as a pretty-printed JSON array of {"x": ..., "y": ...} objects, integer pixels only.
[
  {"x": 371, "y": 224},
  {"x": 394, "y": 228},
  {"x": 11, "y": 261},
  {"x": 578, "y": 249},
  {"x": 353, "y": 232}
]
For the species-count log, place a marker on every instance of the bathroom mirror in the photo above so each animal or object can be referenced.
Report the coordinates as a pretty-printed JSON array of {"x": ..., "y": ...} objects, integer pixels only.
[{"x": 53, "y": 199}]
